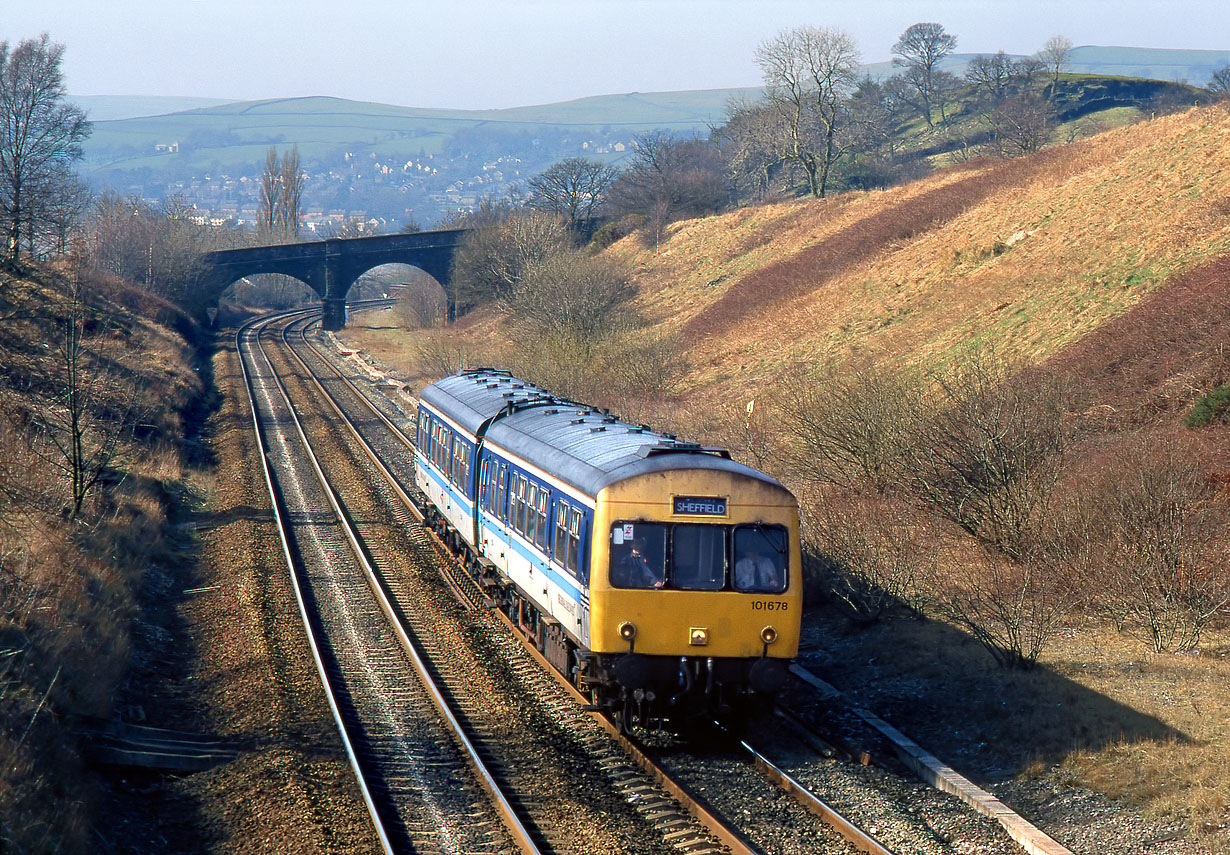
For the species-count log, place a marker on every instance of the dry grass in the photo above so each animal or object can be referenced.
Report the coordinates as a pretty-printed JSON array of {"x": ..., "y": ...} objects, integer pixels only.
[{"x": 1152, "y": 729}]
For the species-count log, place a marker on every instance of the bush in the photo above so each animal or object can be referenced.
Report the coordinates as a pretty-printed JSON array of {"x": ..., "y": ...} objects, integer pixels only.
[
  {"x": 1157, "y": 569},
  {"x": 617, "y": 230},
  {"x": 870, "y": 555},
  {"x": 1212, "y": 408}
]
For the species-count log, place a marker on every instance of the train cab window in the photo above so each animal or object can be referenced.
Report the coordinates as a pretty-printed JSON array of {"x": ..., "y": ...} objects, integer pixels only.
[
  {"x": 638, "y": 555},
  {"x": 698, "y": 557},
  {"x": 760, "y": 553}
]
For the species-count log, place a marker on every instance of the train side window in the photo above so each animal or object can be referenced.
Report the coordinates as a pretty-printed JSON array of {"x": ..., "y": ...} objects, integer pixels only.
[
  {"x": 531, "y": 517},
  {"x": 519, "y": 509},
  {"x": 544, "y": 518},
  {"x": 559, "y": 551},
  {"x": 462, "y": 467},
  {"x": 574, "y": 543},
  {"x": 501, "y": 509},
  {"x": 420, "y": 437},
  {"x": 484, "y": 496},
  {"x": 760, "y": 553},
  {"x": 514, "y": 503}
]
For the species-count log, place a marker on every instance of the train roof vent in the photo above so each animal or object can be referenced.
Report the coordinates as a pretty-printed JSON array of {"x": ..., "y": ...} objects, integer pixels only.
[
  {"x": 597, "y": 429},
  {"x": 674, "y": 446},
  {"x": 580, "y": 421},
  {"x": 550, "y": 412},
  {"x": 636, "y": 430}
]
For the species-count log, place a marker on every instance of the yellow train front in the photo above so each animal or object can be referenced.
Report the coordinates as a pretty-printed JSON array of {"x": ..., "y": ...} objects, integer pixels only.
[
  {"x": 696, "y": 600},
  {"x": 662, "y": 577}
]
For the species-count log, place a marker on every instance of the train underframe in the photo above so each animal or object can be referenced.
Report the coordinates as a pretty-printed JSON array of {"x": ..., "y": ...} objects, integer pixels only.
[{"x": 630, "y": 687}]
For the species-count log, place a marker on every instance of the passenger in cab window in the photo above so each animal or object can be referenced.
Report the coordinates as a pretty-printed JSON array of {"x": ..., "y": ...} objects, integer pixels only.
[
  {"x": 756, "y": 572},
  {"x": 633, "y": 570}
]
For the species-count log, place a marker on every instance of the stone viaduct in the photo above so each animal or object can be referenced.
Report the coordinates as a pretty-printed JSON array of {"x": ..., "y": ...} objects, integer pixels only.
[{"x": 330, "y": 267}]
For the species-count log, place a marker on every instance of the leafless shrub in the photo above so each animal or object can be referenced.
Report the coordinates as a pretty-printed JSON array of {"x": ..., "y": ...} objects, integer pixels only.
[
  {"x": 989, "y": 454},
  {"x": 874, "y": 555},
  {"x": 1012, "y": 606},
  {"x": 854, "y": 427},
  {"x": 1158, "y": 571},
  {"x": 442, "y": 358},
  {"x": 421, "y": 304},
  {"x": 95, "y": 405},
  {"x": 571, "y": 295},
  {"x": 495, "y": 256}
]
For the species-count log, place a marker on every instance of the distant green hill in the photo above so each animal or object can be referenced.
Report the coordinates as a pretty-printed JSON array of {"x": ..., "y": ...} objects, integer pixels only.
[
  {"x": 238, "y": 133},
  {"x": 105, "y": 108},
  {"x": 399, "y": 163}
]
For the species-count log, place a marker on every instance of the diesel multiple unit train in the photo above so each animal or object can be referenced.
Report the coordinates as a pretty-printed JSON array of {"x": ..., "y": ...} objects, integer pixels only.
[{"x": 662, "y": 577}]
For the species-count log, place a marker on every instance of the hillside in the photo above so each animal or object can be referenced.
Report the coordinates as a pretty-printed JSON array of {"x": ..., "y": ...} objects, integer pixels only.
[
  {"x": 1106, "y": 261},
  {"x": 1031, "y": 254}
]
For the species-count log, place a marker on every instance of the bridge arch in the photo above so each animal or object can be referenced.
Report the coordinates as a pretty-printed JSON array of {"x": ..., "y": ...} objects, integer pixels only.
[{"x": 331, "y": 267}]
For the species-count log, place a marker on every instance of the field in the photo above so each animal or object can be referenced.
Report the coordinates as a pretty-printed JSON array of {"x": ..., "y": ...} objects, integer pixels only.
[{"x": 1104, "y": 260}]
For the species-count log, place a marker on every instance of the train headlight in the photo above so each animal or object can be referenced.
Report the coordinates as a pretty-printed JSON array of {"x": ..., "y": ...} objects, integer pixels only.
[
  {"x": 768, "y": 635},
  {"x": 698, "y": 635},
  {"x": 627, "y": 630}
]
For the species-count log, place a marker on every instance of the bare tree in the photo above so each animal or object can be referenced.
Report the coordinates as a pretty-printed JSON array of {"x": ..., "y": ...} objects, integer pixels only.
[
  {"x": 669, "y": 178},
  {"x": 1012, "y": 607},
  {"x": 854, "y": 426},
  {"x": 746, "y": 140},
  {"x": 990, "y": 453},
  {"x": 53, "y": 224},
  {"x": 281, "y": 197},
  {"x": 1219, "y": 83},
  {"x": 84, "y": 423},
  {"x": 875, "y": 113},
  {"x": 493, "y": 258},
  {"x": 874, "y": 553},
  {"x": 290, "y": 198},
  {"x": 919, "y": 51},
  {"x": 158, "y": 247},
  {"x": 1055, "y": 56},
  {"x": 270, "y": 195},
  {"x": 808, "y": 71},
  {"x": 40, "y": 132},
  {"x": 991, "y": 74},
  {"x": 1021, "y": 125},
  {"x": 573, "y": 298},
  {"x": 574, "y": 188}
]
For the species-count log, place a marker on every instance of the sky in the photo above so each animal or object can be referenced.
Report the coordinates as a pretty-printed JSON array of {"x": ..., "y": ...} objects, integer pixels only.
[{"x": 480, "y": 54}]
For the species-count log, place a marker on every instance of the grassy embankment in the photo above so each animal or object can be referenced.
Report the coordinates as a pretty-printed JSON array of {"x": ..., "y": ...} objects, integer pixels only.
[
  {"x": 74, "y": 587},
  {"x": 1105, "y": 259}
]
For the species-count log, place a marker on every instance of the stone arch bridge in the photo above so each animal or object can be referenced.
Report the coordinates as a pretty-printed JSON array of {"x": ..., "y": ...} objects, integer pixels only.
[{"x": 331, "y": 267}]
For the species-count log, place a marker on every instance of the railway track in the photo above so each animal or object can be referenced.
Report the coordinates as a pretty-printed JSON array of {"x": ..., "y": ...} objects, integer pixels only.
[
  {"x": 420, "y": 789},
  {"x": 730, "y": 799}
]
